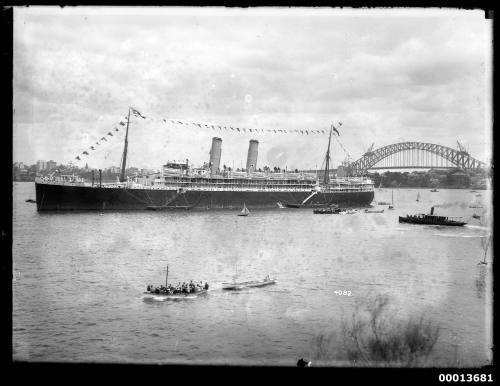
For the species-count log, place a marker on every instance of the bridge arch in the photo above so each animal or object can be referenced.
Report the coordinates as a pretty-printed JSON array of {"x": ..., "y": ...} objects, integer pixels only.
[{"x": 458, "y": 158}]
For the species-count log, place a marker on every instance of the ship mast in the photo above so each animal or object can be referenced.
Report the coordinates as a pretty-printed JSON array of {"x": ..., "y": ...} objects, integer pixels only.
[
  {"x": 327, "y": 160},
  {"x": 124, "y": 158}
]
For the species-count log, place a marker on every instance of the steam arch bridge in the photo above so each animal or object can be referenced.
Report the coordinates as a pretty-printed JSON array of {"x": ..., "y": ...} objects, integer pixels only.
[{"x": 413, "y": 155}]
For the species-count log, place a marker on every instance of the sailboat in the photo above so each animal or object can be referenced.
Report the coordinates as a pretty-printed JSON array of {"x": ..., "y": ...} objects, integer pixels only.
[
  {"x": 380, "y": 185},
  {"x": 244, "y": 211},
  {"x": 418, "y": 197},
  {"x": 392, "y": 201}
]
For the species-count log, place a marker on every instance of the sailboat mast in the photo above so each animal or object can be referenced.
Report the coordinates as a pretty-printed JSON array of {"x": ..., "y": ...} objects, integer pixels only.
[
  {"x": 166, "y": 279},
  {"x": 327, "y": 160},
  {"x": 124, "y": 161}
]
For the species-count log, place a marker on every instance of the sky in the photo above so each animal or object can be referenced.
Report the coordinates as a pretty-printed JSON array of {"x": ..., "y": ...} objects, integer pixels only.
[{"x": 388, "y": 75}]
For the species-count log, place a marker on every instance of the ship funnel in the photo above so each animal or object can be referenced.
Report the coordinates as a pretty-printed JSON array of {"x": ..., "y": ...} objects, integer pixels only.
[
  {"x": 253, "y": 149},
  {"x": 215, "y": 152},
  {"x": 432, "y": 210}
]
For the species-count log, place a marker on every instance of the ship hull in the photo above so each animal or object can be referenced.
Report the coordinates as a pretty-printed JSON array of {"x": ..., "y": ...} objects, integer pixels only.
[
  {"x": 424, "y": 222},
  {"x": 53, "y": 197}
]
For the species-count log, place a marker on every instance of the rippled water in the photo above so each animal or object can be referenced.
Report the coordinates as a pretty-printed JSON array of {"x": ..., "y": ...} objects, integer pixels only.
[{"x": 78, "y": 280}]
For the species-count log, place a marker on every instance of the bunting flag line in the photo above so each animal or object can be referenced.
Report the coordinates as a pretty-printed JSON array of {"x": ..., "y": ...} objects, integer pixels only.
[{"x": 137, "y": 113}]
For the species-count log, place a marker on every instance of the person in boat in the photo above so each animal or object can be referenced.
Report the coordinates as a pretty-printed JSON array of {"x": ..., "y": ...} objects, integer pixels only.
[
  {"x": 206, "y": 286},
  {"x": 267, "y": 278}
]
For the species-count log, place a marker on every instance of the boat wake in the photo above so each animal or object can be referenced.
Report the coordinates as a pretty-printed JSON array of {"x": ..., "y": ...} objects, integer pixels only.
[
  {"x": 477, "y": 227},
  {"x": 462, "y": 235}
]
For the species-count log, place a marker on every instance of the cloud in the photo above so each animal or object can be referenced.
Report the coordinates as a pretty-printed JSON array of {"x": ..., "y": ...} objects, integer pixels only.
[{"x": 418, "y": 75}]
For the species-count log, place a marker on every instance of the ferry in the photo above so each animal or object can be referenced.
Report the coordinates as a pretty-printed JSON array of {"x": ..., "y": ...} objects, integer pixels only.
[{"x": 432, "y": 219}]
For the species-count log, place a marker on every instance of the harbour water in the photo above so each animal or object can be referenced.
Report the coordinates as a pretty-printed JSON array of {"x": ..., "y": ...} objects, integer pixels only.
[{"x": 79, "y": 278}]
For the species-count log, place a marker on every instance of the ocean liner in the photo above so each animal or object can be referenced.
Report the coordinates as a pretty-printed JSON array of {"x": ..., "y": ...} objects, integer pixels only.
[{"x": 177, "y": 186}]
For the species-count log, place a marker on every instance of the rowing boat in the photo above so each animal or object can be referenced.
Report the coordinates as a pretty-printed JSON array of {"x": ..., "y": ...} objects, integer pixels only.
[
  {"x": 248, "y": 284},
  {"x": 178, "y": 295}
]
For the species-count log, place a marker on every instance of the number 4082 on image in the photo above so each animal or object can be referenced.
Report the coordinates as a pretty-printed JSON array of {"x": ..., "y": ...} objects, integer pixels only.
[{"x": 342, "y": 292}]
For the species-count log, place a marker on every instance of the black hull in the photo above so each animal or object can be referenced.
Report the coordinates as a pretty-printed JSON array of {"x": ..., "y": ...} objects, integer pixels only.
[
  {"x": 65, "y": 198},
  {"x": 423, "y": 222}
]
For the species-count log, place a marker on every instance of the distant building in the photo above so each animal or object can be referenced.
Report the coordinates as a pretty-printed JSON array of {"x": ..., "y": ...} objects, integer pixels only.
[
  {"x": 51, "y": 165},
  {"x": 114, "y": 169},
  {"x": 41, "y": 165}
]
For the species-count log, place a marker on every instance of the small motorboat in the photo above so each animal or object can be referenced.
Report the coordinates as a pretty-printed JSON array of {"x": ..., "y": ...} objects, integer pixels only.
[
  {"x": 31, "y": 200},
  {"x": 434, "y": 190},
  {"x": 328, "y": 210},
  {"x": 476, "y": 216},
  {"x": 374, "y": 211},
  {"x": 248, "y": 284},
  {"x": 288, "y": 205},
  {"x": 244, "y": 211}
]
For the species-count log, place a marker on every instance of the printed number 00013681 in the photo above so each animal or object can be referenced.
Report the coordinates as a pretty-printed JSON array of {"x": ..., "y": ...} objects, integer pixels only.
[{"x": 465, "y": 378}]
